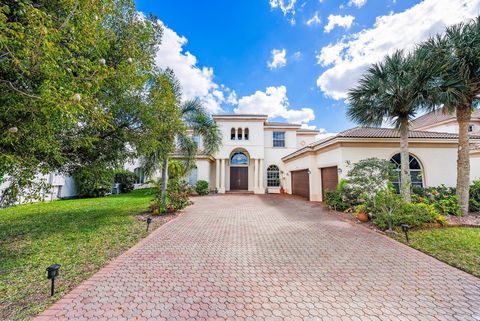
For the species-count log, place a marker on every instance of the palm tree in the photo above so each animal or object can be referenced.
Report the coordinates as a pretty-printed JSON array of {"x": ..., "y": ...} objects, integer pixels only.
[
  {"x": 197, "y": 122},
  {"x": 457, "y": 88},
  {"x": 392, "y": 90}
]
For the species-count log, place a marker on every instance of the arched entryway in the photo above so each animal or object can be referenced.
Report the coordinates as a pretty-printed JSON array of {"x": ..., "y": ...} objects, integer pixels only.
[{"x": 239, "y": 171}]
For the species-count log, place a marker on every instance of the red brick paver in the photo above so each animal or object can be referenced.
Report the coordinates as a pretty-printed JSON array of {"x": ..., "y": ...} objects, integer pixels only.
[{"x": 270, "y": 258}]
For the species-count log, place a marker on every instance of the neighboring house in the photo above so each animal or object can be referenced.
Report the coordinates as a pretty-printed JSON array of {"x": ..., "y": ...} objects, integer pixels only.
[{"x": 439, "y": 121}]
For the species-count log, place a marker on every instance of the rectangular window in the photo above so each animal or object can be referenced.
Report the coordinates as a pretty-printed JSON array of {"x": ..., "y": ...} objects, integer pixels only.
[
  {"x": 278, "y": 139},
  {"x": 196, "y": 139}
]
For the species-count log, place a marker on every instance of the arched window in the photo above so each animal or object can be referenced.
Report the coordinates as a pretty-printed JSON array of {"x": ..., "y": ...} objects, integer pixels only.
[
  {"x": 239, "y": 159},
  {"x": 273, "y": 176},
  {"x": 246, "y": 134},
  {"x": 239, "y": 134},
  {"x": 139, "y": 173},
  {"x": 232, "y": 134},
  {"x": 415, "y": 171}
]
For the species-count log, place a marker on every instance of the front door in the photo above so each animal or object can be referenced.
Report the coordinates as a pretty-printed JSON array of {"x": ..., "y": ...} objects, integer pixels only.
[{"x": 239, "y": 178}]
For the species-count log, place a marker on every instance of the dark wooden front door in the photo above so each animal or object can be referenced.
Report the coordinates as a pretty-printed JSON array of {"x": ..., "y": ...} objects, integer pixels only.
[
  {"x": 329, "y": 179},
  {"x": 301, "y": 183},
  {"x": 239, "y": 178}
]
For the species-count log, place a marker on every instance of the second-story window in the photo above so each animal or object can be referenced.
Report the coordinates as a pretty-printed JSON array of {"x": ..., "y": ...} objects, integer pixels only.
[
  {"x": 278, "y": 139},
  {"x": 196, "y": 139},
  {"x": 232, "y": 134},
  {"x": 239, "y": 134},
  {"x": 246, "y": 133}
]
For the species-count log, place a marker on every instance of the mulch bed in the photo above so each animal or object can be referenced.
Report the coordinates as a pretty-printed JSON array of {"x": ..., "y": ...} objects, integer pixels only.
[
  {"x": 157, "y": 220},
  {"x": 471, "y": 220}
]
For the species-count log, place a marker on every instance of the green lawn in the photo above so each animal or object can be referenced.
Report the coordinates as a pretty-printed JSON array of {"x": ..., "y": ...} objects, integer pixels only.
[
  {"x": 457, "y": 246},
  {"x": 82, "y": 235}
]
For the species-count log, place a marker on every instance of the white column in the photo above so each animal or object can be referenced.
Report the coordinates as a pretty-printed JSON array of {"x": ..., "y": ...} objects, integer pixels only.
[
  {"x": 217, "y": 174},
  {"x": 260, "y": 175},
  {"x": 222, "y": 176},
  {"x": 255, "y": 174}
]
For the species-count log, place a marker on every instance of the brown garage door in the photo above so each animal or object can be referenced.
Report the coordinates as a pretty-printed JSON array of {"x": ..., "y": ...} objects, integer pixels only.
[
  {"x": 329, "y": 179},
  {"x": 301, "y": 183}
]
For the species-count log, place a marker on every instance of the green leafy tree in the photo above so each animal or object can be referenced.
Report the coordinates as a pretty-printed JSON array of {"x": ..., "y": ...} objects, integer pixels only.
[
  {"x": 71, "y": 83},
  {"x": 457, "y": 87},
  {"x": 393, "y": 90}
]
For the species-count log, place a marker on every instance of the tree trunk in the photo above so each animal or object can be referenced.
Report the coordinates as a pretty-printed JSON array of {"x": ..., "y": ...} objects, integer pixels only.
[
  {"x": 163, "y": 193},
  {"x": 464, "y": 114},
  {"x": 406, "y": 180}
]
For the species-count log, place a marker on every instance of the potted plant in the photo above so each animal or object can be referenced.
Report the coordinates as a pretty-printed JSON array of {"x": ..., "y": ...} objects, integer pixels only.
[{"x": 361, "y": 213}]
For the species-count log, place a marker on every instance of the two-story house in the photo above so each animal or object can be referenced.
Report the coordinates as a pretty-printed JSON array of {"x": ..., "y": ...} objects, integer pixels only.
[{"x": 250, "y": 158}]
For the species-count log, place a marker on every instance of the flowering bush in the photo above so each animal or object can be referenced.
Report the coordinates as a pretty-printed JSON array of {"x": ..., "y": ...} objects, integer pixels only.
[
  {"x": 176, "y": 197},
  {"x": 442, "y": 197}
]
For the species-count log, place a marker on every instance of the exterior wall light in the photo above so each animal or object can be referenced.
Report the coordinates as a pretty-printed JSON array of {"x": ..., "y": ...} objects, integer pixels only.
[
  {"x": 149, "y": 220},
  {"x": 405, "y": 230},
  {"x": 52, "y": 273},
  {"x": 339, "y": 170}
]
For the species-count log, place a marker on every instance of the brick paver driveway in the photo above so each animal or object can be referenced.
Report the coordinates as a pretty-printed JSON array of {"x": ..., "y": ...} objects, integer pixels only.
[{"x": 270, "y": 257}]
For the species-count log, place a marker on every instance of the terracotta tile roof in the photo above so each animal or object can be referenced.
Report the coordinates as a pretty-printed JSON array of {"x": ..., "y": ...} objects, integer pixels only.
[
  {"x": 436, "y": 117},
  {"x": 369, "y": 132},
  {"x": 379, "y": 133}
]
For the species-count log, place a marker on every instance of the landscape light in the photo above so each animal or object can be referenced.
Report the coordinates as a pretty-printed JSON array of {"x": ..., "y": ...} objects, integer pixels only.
[
  {"x": 149, "y": 220},
  {"x": 405, "y": 230},
  {"x": 52, "y": 273}
]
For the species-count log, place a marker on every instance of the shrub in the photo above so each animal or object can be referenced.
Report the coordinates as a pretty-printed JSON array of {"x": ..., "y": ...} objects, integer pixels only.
[
  {"x": 93, "y": 181},
  {"x": 202, "y": 187},
  {"x": 391, "y": 211},
  {"x": 126, "y": 178},
  {"x": 342, "y": 198},
  {"x": 475, "y": 196},
  {"x": 442, "y": 197},
  {"x": 368, "y": 176},
  {"x": 385, "y": 206},
  {"x": 176, "y": 197}
]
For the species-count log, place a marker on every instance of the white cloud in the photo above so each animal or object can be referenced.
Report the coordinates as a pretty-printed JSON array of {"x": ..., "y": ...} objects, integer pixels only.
[
  {"x": 297, "y": 55},
  {"x": 197, "y": 82},
  {"x": 350, "y": 57},
  {"x": 340, "y": 21},
  {"x": 324, "y": 134},
  {"x": 287, "y": 6},
  {"x": 279, "y": 59},
  {"x": 357, "y": 3},
  {"x": 314, "y": 21},
  {"x": 274, "y": 103}
]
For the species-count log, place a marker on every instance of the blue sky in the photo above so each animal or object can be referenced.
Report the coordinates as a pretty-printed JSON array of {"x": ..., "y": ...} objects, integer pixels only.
[{"x": 293, "y": 60}]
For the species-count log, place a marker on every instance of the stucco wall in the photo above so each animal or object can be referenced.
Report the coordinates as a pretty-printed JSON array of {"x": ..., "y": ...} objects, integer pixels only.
[{"x": 438, "y": 164}]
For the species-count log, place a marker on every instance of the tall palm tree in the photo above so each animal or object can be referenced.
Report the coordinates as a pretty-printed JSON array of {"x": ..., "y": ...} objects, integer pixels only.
[
  {"x": 197, "y": 122},
  {"x": 457, "y": 88},
  {"x": 392, "y": 90}
]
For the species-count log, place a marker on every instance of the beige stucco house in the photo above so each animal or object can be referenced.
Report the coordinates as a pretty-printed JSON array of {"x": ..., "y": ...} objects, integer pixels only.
[{"x": 259, "y": 156}]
